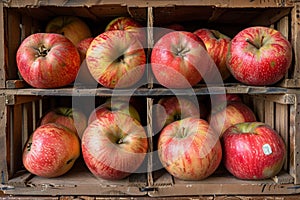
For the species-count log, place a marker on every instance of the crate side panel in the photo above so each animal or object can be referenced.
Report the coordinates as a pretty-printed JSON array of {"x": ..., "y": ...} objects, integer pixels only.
[
  {"x": 294, "y": 146},
  {"x": 3, "y": 139},
  {"x": 13, "y": 35},
  {"x": 3, "y": 47}
]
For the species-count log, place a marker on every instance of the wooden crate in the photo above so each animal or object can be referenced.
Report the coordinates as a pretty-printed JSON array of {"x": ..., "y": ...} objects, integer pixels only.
[
  {"x": 22, "y": 18},
  {"x": 279, "y": 111},
  {"x": 20, "y": 115},
  {"x": 21, "y": 106}
]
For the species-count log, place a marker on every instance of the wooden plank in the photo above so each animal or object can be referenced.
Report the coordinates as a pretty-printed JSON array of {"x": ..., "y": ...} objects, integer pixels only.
[
  {"x": 14, "y": 33},
  {"x": 224, "y": 185},
  {"x": 3, "y": 139},
  {"x": 78, "y": 181},
  {"x": 150, "y": 140},
  {"x": 282, "y": 126},
  {"x": 14, "y": 99},
  {"x": 3, "y": 48},
  {"x": 16, "y": 139},
  {"x": 134, "y": 3},
  {"x": 150, "y": 43},
  {"x": 269, "y": 113},
  {"x": 295, "y": 41},
  {"x": 294, "y": 147}
]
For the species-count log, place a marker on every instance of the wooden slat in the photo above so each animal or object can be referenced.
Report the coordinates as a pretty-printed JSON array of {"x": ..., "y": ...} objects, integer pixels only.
[
  {"x": 3, "y": 139},
  {"x": 269, "y": 113},
  {"x": 217, "y": 3},
  {"x": 281, "y": 126},
  {"x": 150, "y": 140},
  {"x": 295, "y": 40},
  {"x": 16, "y": 139},
  {"x": 294, "y": 147},
  {"x": 2, "y": 47},
  {"x": 14, "y": 33}
]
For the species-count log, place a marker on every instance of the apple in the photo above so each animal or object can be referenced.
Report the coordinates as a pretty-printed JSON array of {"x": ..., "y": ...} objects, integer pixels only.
[
  {"x": 72, "y": 118},
  {"x": 51, "y": 150},
  {"x": 116, "y": 59},
  {"x": 116, "y": 105},
  {"x": 82, "y": 47},
  {"x": 84, "y": 75},
  {"x": 114, "y": 146},
  {"x": 74, "y": 28},
  {"x": 253, "y": 150},
  {"x": 217, "y": 45},
  {"x": 172, "y": 108},
  {"x": 44, "y": 58},
  {"x": 128, "y": 24},
  {"x": 226, "y": 114},
  {"x": 179, "y": 60},
  {"x": 259, "y": 56},
  {"x": 189, "y": 149}
]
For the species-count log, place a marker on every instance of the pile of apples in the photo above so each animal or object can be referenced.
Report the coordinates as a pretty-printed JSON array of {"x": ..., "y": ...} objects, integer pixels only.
[
  {"x": 193, "y": 140},
  {"x": 116, "y": 58},
  {"x": 111, "y": 139}
]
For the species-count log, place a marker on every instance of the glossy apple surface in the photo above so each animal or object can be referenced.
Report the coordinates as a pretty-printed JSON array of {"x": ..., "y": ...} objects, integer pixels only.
[
  {"x": 114, "y": 146},
  {"x": 72, "y": 118},
  {"x": 226, "y": 114},
  {"x": 51, "y": 150},
  {"x": 253, "y": 151},
  {"x": 116, "y": 105},
  {"x": 189, "y": 149},
  {"x": 74, "y": 28},
  {"x": 170, "y": 109},
  {"x": 259, "y": 56},
  {"x": 116, "y": 59},
  {"x": 44, "y": 58},
  {"x": 179, "y": 60},
  {"x": 130, "y": 25},
  {"x": 217, "y": 45}
]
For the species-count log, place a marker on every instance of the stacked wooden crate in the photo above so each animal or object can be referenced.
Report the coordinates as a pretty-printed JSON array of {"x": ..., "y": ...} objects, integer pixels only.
[{"x": 22, "y": 106}]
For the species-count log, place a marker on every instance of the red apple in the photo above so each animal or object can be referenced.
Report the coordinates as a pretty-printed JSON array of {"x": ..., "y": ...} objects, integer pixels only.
[
  {"x": 226, "y": 114},
  {"x": 117, "y": 105},
  {"x": 74, "y": 28},
  {"x": 170, "y": 109},
  {"x": 44, "y": 58},
  {"x": 217, "y": 45},
  {"x": 82, "y": 47},
  {"x": 72, "y": 118},
  {"x": 179, "y": 60},
  {"x": 128, "y": 24},
  {"x": 84, "y": 75},
  {"x": 116, "y": 59},
  {"x": 189, "y": 149},
  {"x": 114, "y": 146},
  {"x": 253, "y": 150},
  {"x": 259, "y": 56},
  {"x": 51, "y": 150}
]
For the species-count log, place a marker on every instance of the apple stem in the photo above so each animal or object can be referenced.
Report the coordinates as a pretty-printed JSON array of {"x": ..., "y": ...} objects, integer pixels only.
[
  {"x": 252, "y": 43},
  {"x": 181, "y": 51},
  {"x": 42, "y": 51},
  {"x": 183, "y": 132},
  {"x": 120, "y": 141}
]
